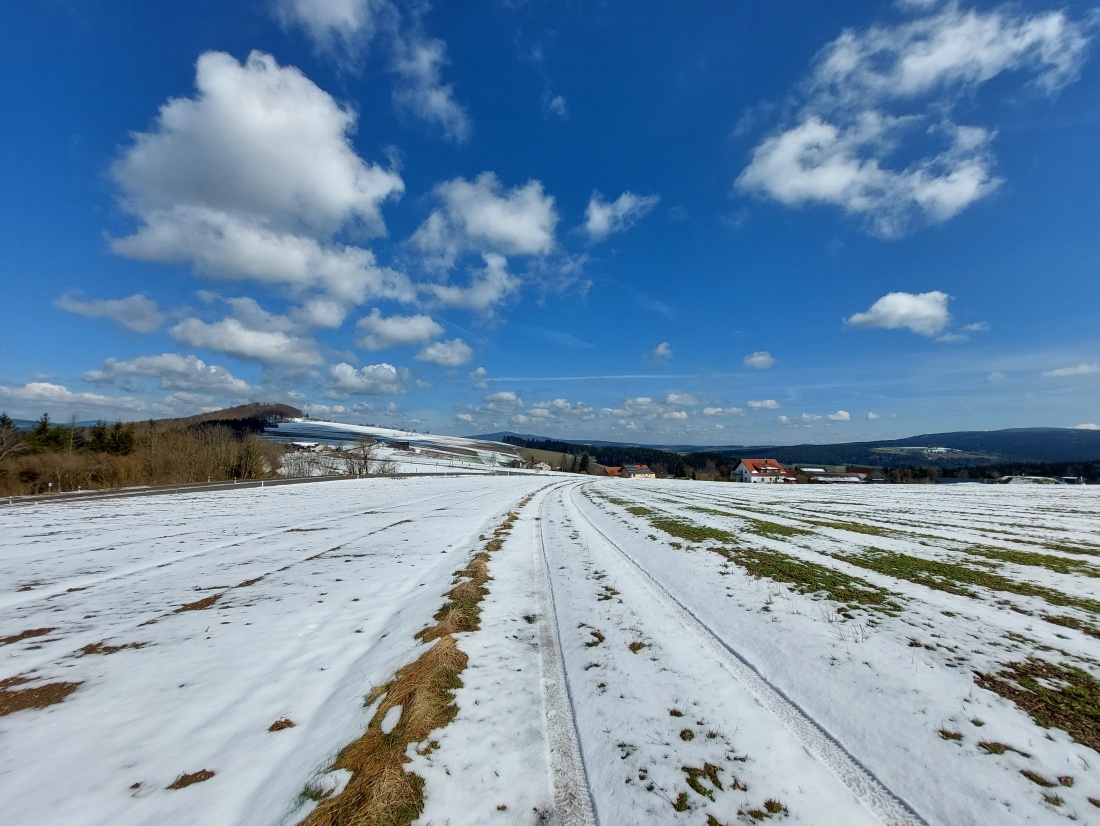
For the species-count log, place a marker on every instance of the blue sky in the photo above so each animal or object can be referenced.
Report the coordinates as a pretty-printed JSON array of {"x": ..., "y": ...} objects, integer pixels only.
[{"x": 731, "y": 224}]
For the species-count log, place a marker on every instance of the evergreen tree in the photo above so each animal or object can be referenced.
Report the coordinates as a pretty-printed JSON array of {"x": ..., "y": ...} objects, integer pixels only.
[{"x": 582, "y": 467}]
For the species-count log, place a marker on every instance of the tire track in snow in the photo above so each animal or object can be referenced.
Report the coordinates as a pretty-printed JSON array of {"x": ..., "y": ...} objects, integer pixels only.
[
  {"x": 886, "y": 806},
  {"x": 572, "y": 794}
]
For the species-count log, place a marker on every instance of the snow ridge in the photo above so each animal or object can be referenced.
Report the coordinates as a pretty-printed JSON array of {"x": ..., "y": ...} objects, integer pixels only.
[
  {"x": 886, "y": 806},
  {"x": 572, "y": 794}
]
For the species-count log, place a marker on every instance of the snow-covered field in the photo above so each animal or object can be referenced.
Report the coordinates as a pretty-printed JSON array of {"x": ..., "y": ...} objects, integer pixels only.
[{"x": 649, "y": 652}]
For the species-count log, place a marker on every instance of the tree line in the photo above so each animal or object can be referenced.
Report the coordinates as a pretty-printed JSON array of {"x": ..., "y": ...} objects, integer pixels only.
[{"x": 51, "y": 457}]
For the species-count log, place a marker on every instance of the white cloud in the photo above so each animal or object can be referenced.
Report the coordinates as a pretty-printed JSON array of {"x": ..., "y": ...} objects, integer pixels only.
[
  {"x": 763, "y": 404},
  {"x": 502, "y": 400},
  {"x": 684, "y": 399},
  {"x": 661, "y": 352},
  {"x": 340, "y": 27},
  {"x": 251, "y": 178},
  {"x": 377, "y": 332},
  {"x": 45, "y": 394},
  {"x": 478, "y": 378},
  {"x": 889, "y": 91},
  {"x": 872, "y": 416},
  {"x": 1087, "y": 426},
  {"x": 488, "y": 287},
  {"x": 371, "y": 380},
  {"x": 453, "y": 353},
  {"x": 723, "y": 411},
  {"x": 173, "y": 372},
  {"x": 759, "y": 359},
  {"x": 234, "y": 338},
  {"x": 556, "y": 105},
  {"x": 840, "y": 416},
  {"x": 420, "y": 90},
  {"x": 135, "y": 312},
  {"x": 924, "y": 313},
  {"x": 1075, "y": 370},
  {"x": 465, "y": 418},
  {"x": 603, "y": 219},
  {"x": 976, "y": 327},
  {"x": 996, "y": 375},
  {"x": 810, "y": 417},
  {"x": 952, "y": 338},
  {"x": 675, "y": 415},
  {"x": 482, "y": 216}
]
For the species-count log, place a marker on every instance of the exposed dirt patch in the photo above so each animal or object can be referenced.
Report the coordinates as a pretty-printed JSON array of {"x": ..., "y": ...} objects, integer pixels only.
[
  {"x": 25, "y": 635},
  {"x": 199, "y": 605},
  {"x": 30, "y": 586},
  {"x": 282, "y": 723},
  {"x": 14, "y": 699},
  {"x": 249, "y": 582},
  {"x": 185, "y": 780}
]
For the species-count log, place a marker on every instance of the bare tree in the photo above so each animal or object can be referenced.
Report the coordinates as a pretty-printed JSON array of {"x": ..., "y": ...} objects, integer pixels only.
[{"x": 11, "y": 440}]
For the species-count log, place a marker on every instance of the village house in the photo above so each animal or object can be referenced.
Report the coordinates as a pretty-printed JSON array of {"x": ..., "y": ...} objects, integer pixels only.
[
  {"x": 636, "y": 472},
  {"x": 760, "y": 470}
]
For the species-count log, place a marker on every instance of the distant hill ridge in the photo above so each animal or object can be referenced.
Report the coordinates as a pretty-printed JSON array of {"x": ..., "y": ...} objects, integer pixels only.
[{"x": 976, "y": 447}]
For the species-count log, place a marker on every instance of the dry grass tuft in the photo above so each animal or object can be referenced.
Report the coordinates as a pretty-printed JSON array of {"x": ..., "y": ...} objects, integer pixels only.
[
  {"x": 199, "y": 605},
  {"x": 25, "y": 635},
  {"x": 1037, "y": 779},
  {"x": 185, "y": 780},
  {"x": 282, "y": 723},
  {"x": 249, "y": 582},
  {"x": 636, "y": 646},
  {"x": 14, "y": 699},
  {"x": 103, "y": 648},
  {"x": 381, "y": 792}
]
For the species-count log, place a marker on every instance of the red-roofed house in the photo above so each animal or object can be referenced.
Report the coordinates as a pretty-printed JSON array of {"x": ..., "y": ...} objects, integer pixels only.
[{"x": 760, "y": 470}]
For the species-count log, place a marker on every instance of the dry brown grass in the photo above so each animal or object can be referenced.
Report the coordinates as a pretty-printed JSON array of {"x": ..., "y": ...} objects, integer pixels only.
[
  {"x": 103, "y": 648},
  {"x": 282, "y": 723},
  {"x": 200, "y": 604},
  {"x": 25, "y": 635},
  {"x": 381, "y": 792},
  {"x": 185, "y": 780},
  {"x": 249, "y": 582},
  {"x": 14, "y": 699}
]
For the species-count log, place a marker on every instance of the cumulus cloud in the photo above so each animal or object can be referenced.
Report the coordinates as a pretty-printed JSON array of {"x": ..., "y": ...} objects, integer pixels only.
[
  {"x": 923, "y": 313},
  {"x": 872, "y": 416},
  {"x": 39, "y": 394},
  {"x": 340, "y": 27},
  {"x": 453, "y": 353},
  {"x": 465, "y": 418},
  {"x": 488, "y": 287},
  {"x": 135, "y": 312},
  {"x": 603, "y": 218},
  {"x": 233, "y": 337},
  {"x": 173, "y": 372},
  {"x": 889, "y": 91},
  {"x": 840, "y": 416},
  {"x": 251, "y": 179},
  {"x": 662, "y": 352},
  {"x": 478, "y": 378},
  {"x": 723, "y": 411},
  {"x": 1086, "y": 426},
  {"x": 559, "y": 411},
  {"x": 684, "y": 399},
  {"x": 377, "y": 332},
  {"x": 763, "y": 404},
  {"x": 1074, "y": 370},
  {"x": 372, "y": 380},
  {"x": 759, "y": 359},
  {"x": 482, "y": 216}
]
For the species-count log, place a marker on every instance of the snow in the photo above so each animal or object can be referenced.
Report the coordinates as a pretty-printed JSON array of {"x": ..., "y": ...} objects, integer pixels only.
[{"x": 611, "y": 657}]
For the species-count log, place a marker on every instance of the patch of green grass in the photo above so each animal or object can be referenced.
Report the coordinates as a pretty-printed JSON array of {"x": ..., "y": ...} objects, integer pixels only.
[
  {"x": 680, "y": 804},
  {"x": 1072, "y": 549},
  {"x": 1055, "y": 696},
  {"x": 1073, "y": 622},
  {"x": 638, "y": 510},
  {"x": 692, "y": 532},
  {"x": 774, "y": 530},
  {"x": 854, "y": 527},
  {"x": 695, "y": 778},
  {"x": 687, "y": 735},
  {"x": 1058, "y": 564},
  {"x": 956, "y": 578},
  {"x": 812, "y": 578}
]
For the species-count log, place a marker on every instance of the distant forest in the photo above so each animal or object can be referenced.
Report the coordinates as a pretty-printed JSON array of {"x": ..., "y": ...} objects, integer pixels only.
[{"x": 718, "y": 466}]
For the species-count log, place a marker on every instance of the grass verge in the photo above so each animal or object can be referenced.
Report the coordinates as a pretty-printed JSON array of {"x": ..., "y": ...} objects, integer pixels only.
[{"x": 381, "y": 792}]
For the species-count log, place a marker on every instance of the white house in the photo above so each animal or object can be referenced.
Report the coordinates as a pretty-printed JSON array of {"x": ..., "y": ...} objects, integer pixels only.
[{"x": 760, "y": 470}]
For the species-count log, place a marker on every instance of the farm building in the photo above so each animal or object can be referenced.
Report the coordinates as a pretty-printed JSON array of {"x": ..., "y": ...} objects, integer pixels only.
[
  {"x": 637, "y": 472},
  {"x": 760, "y": 470}
]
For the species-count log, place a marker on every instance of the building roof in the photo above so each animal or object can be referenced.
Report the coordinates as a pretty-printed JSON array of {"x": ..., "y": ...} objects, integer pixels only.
[
  {"x": 762, "y": 465},
  {"x": 612, "y": 471}
]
